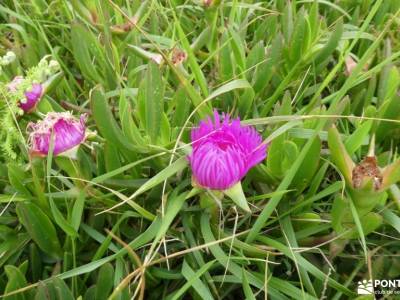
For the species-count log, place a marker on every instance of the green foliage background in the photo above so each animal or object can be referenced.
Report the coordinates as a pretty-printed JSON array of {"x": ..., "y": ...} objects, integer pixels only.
[{"x": 123, "y": 220}]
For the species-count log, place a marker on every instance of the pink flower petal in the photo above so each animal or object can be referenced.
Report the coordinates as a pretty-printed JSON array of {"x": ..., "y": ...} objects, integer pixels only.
[
  {"x": 224, "y": 151},
  {"x": 67, "y": 131}
]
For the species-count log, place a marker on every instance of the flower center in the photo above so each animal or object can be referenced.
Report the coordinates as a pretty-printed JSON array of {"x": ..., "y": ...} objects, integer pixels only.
[{"x": 223, "y": 140}]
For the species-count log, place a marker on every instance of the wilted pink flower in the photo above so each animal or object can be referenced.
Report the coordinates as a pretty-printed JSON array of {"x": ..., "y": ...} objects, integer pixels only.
[
  {"x": 224, "y": 151},
  {"x": 68, "y": 132},
  {"x": 32, "y": 96}
]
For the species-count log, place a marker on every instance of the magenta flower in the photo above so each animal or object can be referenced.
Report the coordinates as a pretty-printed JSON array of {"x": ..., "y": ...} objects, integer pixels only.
[
  {"x": 68, "y": 133},
  {"x": 224, "y": 151},
  {"x": 32, "y": 96}
]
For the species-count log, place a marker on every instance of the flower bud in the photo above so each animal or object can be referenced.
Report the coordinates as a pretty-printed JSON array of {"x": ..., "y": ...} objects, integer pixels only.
[{"x": 224, "y": 151}]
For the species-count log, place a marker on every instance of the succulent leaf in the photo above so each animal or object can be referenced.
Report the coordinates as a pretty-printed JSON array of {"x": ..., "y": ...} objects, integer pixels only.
[{"x": 339, "y": 154}]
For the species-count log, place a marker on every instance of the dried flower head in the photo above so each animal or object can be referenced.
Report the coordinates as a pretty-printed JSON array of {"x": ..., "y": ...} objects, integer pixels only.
[
  {"x": 366, "y": 170},
  {"x": 178, "y": 56},
  {"x": 224, "y": 151}
]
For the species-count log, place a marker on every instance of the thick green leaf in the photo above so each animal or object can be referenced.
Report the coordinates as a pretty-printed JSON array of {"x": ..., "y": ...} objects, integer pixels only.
[
  {"x": 39, "y": 227},
  {"x": 359, "y": 228},
  {"x": 104, "y": 281},
  {"x": 356, "y": 139},
  {"x": 198, "y": 74},
  {"x": 339, "y": 154},
  {"x": 391, "y": 174},
  {"x": 81, "y": 42},
  {"x": 17, "y": 178},
  {"x": 238, "y": 49},
  {"x": 110, "y": 129},
  {"x": 77, "y": 211},
  {"x": 298, "y": 39},
  {"x": 332, "y": 43},
  {"x": 308, "y": 168},
  {"x": 61, "y": 289},
  {"x": 266, "y": 70},
  {"x": 275, "y": 156},
  {"x": 391, "y": 218},
  {"x": 16, "y": 280},
  {"x": 60, "y": 220},
  {"x": 151, "y": 101}
]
